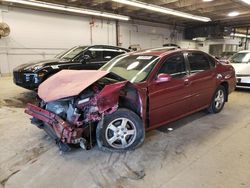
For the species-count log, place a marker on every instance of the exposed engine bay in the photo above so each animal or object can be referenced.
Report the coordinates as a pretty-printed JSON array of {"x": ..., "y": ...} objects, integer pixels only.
[{"x": 80, "y": 110}]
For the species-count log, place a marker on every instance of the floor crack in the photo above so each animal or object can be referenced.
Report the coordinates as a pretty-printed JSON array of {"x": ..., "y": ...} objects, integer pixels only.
[{"x": 4, "y": 181}]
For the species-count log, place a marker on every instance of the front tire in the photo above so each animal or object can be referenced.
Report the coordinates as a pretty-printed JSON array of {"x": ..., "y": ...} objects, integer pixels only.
[
  {"x": 218, "y": 100},
  {"x": 120, "y": 131}
]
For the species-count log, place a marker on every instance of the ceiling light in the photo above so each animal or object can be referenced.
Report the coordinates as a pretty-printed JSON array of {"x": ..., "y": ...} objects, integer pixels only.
[
  {"x": 239, "y": 35},
  {"x": 207, "y": 0},
  {"x": 246, "y": 1},
  {"x": 163, "y": 10},
  {"x": 199, "y": 39},
  {"x": 234, "y": 13},
  {"x": 68, "y": 9}
]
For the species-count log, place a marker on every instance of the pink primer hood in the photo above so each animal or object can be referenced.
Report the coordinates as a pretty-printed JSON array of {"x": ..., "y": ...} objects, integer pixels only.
[{"x": 67, "y": 83}]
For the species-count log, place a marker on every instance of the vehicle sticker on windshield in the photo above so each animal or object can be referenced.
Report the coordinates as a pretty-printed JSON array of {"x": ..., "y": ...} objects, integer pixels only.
[{"x": 144, "y": 57}]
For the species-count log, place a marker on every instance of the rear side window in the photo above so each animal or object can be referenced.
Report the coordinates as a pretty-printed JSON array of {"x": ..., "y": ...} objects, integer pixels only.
[
  {"x": 198, "y": 62},
  {"x": 175, "y": 66}
]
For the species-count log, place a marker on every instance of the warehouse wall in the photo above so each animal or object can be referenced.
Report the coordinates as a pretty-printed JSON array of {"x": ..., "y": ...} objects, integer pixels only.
[
  {"x": 39, "y": 35},
  {"x": 223, "y": 45},
  {"x": 148, "y": 36}
]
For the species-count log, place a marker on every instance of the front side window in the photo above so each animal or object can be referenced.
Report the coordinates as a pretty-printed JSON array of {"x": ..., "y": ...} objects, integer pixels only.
[
  {"x": 198, "y": 62},
  {"x": 174, "y": 66},
  {"x": 94, "y": 55}
]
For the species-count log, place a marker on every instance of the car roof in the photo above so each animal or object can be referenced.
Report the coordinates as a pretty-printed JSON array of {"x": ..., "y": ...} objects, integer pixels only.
[
  {"x": 108, "y": 46},
  {"x": 162, "y": 51}
]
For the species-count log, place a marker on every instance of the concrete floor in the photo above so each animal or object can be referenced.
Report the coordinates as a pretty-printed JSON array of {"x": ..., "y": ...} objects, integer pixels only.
[{"x": 208, "y": 151}]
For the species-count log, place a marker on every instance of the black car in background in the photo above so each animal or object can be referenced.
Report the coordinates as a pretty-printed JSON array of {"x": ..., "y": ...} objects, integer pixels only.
[{"x": 30, "y": 75}]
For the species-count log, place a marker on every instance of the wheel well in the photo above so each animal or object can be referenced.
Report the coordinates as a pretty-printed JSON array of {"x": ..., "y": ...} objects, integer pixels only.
[
  {"x": 130, "y": 99},
  {"x": 225, "y": 85}
]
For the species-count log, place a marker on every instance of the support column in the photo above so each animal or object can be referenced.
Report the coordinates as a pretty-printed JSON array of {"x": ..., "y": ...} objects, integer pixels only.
[
  {"x": 117, "y": 31},
  {"x": 246, "y": 43}
]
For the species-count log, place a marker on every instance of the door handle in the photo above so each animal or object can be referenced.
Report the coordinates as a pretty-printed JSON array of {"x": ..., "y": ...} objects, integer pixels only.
[{"x": 186, "y": 82}]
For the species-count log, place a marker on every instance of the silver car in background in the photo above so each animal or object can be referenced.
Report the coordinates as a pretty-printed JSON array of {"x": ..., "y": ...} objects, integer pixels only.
[{"x": 241, "y": 64}]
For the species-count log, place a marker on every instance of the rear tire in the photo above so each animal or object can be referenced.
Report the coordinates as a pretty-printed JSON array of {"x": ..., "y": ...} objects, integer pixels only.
[
  {"x": 218, "y": 100},
  {"x": 120, "y": 131}
]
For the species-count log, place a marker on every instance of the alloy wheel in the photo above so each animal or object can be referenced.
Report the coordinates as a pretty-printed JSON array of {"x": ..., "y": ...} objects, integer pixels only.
[
  {"x": 120, "y": 133},
  {"x": 219, "y": 99}
]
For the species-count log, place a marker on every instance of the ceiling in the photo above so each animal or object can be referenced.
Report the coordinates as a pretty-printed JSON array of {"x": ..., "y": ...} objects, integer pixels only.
[{"x": 217, "y": 10}]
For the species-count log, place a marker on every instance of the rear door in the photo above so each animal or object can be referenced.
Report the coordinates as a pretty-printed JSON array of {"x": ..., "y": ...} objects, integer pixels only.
[
  {"x": 169, "y": 100},
  {"x": 202, "y": 79}
]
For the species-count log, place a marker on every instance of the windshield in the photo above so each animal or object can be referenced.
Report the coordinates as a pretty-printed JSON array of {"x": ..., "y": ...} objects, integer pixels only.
[
  {"x": 71, "y": 53},
  {"x": 134, "y": 68},
  {"x": 240, "y": 58}
]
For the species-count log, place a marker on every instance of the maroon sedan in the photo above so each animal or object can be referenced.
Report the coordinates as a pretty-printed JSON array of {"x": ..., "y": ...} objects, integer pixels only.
[{"x": 132, "y": 93}]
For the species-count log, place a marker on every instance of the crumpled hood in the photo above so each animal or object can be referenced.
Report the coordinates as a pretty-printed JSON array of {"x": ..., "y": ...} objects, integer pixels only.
[
  {"x": 241, "y": 68},
  {"x": 67, "y": 83}
]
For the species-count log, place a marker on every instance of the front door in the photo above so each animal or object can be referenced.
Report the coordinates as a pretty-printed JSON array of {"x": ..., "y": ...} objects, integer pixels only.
[{"x": 169, "y": 100}]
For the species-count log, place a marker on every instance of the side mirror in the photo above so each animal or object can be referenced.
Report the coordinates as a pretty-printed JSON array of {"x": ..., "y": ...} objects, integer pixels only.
[{"x": 163, "y": 78}]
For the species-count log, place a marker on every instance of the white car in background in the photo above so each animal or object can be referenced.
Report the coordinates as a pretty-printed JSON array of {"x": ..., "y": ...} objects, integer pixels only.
[{"x": 241, "y": 64}]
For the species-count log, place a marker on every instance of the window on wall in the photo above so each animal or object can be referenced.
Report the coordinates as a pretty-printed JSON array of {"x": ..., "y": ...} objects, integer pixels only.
[
  {"x": 174, "y": 66},
  {"x": 198, "y": 62}
]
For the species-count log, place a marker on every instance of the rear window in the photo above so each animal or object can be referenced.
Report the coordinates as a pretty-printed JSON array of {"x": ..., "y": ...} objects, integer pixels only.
[{"x": 198, "y": 62}]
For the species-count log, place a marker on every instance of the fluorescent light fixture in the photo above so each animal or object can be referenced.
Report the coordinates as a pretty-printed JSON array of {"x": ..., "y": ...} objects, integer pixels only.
[
  {"x": 239, "y": 35},
  {"x": 207, "y": 0},
  {"x": 163, "y": 10},
  {"x": 68, "y": 9},
  {"x": 234, "y": 13},
  {"x": 199, "y": 39},
  {"x": 246, "y": 1}
]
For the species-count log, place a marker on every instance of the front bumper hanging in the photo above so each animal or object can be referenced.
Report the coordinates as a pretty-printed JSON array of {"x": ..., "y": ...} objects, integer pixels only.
[{"x": 66, "y": 132}]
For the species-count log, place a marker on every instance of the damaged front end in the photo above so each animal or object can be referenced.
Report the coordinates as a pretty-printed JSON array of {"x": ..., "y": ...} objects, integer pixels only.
[{"x": 72, "y": 120}]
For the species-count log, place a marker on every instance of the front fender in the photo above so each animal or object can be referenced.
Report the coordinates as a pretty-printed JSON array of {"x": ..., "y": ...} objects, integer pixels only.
[{"x": 109, "y": 96}]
